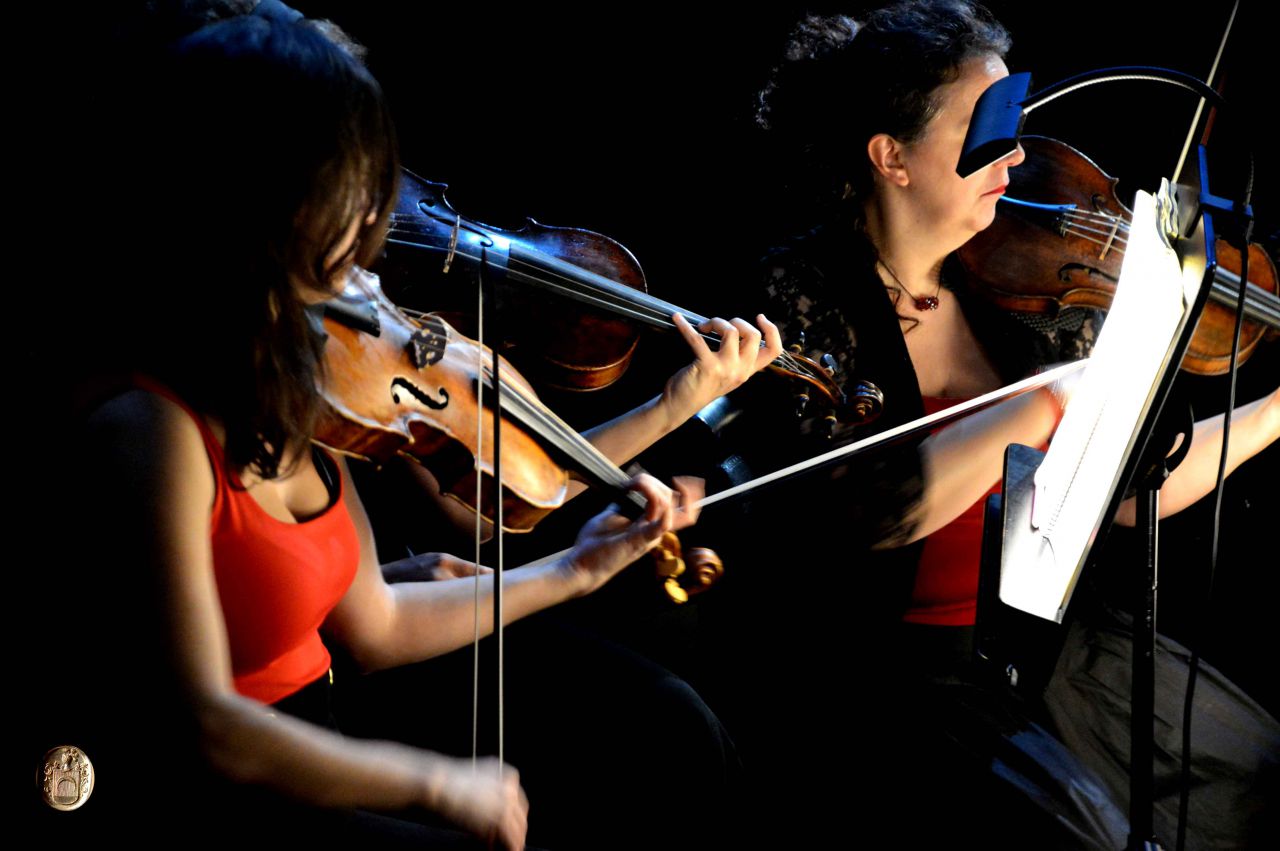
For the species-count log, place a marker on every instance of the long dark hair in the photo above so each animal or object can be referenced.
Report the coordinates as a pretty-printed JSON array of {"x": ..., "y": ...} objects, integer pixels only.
[
  {"x": 267, "y": 141},
  {"x": 842, "y": 81}
]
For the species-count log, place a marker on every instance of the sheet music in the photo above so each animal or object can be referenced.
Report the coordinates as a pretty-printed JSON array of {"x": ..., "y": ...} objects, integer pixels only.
[{"x": 1081, "y": 471}]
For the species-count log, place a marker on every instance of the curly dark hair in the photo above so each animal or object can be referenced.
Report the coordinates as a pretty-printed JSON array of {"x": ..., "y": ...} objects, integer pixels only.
[
  {"x": 842, "y": 81},
  {"x": 266, "y": 141}
]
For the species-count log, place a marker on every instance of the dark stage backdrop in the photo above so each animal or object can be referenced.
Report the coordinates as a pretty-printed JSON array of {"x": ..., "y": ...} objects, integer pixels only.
[{"x": 640, "y": 127}]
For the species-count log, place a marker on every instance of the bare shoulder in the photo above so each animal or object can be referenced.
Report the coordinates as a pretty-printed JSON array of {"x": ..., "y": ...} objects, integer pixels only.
[
  {"x": 137, "y": 410},
  {"x": 142, "y": 438}
]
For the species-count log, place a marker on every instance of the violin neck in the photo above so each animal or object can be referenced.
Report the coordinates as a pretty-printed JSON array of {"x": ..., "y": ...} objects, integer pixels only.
[
  {"x": 586, "y": 287},
  {"x": 1259, "y": 305},
  {"x": 561, "y": 438}
]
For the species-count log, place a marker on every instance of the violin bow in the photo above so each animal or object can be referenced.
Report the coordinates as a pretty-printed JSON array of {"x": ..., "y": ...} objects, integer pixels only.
[
  {"x": 1195, "y": 118},
  {"x": 886, "y": 438}
]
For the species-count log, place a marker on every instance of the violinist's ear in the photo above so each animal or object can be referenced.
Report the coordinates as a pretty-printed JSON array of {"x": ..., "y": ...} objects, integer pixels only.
[{"x": 885, "y": 153}]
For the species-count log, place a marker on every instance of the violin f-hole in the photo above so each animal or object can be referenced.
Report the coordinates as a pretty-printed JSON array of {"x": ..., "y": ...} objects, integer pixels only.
[{"x": 421, "y": 396}]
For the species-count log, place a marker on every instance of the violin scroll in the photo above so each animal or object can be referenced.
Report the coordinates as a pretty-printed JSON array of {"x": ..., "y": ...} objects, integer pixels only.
[{"x": 678, "y": 580}]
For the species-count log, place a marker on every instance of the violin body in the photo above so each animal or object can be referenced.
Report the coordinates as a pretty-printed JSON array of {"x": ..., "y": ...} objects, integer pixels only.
[
  {"x": 572, "y": 346},
  {"x": 581, "y": 299},
  {"x": 1033, "y": 260},
  {"x": 1065, "y": 249},
  {"x": 410, "y": 389}
]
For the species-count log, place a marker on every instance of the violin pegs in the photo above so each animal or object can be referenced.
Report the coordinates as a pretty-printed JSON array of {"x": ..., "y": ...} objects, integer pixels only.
[
  {"x": 675, "y": 592},
  {"x": 829, "y": 364},
  {"x": 707, "y": 569},
  {"x": 669, "y": 567},
  {"x": 868, "y": 402},
  {"x": 802, "y": 403}
]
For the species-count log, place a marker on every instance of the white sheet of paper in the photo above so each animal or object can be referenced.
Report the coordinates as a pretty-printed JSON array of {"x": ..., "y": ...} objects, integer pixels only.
[{"x": 1081, "y": 471}]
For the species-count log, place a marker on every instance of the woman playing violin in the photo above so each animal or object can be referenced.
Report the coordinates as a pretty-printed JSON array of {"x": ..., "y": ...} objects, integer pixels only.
[
  {"x": 249, "y": 541},
  {"x": 877, "y": 110}
]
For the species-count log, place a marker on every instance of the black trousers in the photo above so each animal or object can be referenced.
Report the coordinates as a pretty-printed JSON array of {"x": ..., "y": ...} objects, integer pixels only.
[{"x": 613, "y": 750}]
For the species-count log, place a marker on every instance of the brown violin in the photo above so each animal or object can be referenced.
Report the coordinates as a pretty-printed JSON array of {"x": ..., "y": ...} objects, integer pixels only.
[
  {"x": 404, "y": 384},
  {"x": 412, "y": 385},
  {"x": 1058, "y": 241},
  {"x": 591, "y": 346}
]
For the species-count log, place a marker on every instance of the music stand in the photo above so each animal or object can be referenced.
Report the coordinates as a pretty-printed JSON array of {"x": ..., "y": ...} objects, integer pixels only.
[{"x": 1023, "y": 552}]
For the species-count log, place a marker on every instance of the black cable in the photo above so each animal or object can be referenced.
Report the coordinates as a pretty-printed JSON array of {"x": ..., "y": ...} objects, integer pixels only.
[{"x": 1184, "y": 784}]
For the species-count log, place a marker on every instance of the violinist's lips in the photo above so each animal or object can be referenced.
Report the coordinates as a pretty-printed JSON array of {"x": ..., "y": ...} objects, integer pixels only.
[{"x": 999, "y": 190}]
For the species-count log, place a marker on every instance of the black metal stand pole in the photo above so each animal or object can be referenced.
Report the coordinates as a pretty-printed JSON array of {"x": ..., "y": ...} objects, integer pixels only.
[{"x": 1142, "y": 694}]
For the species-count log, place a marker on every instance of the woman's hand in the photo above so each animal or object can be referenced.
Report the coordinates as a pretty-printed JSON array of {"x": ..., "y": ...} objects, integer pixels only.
[
  {"x": 713, "y": 374},
  {"x": 486, "y": 800},
  {"x": 430, "y": 567},
  {"x": 610, "y": 542}
]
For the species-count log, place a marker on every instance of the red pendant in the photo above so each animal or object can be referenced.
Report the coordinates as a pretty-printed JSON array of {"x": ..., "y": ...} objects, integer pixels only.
[{"x": 929, "y": 302}]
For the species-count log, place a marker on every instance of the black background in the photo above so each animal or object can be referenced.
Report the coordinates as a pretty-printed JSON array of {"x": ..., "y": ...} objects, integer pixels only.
[{"x": 639, "y": 126}]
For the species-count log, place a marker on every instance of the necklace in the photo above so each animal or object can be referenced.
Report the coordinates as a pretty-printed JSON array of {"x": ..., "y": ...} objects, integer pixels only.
[{"x": 922, "y": 303}]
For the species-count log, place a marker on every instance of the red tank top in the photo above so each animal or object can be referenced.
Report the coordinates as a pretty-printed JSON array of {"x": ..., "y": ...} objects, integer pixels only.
[
  {"x": 277, "y": 581},
  {"x": 946, "y": 589}
]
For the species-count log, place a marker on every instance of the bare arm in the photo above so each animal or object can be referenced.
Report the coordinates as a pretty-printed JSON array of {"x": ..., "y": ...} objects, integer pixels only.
[
  {"x": 709, "y": 376},
  {"x": 1254, "y": 427},
  {"x": 387, "y": 625},
  {"x": 162, "y": 490},
  {"x": 962, "y": 462}
]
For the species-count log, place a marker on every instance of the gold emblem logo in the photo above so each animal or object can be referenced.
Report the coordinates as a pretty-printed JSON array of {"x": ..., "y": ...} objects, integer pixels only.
[{"x": 66, "y": 781}]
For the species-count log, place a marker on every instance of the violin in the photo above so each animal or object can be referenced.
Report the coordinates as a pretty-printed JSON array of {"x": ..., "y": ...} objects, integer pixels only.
[
  {"x": 599, "y": 298},
  {"x": 1058, "y": 241},
  {"x": 398, "y": 384}
]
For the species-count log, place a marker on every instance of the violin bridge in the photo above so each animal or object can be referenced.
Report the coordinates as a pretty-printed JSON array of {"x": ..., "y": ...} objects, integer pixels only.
[
  {"x": 453, "y": 244},
  {"x": 1111, "y": 238}
]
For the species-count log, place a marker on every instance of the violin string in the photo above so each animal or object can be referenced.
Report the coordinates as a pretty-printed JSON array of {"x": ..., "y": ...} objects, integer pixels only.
[
  {"x": 1093, "y": 235},
  {"x": 786, "y": 358},
  {"x": 1100, "y": 222},
  {"x": 1115, "y": 246},
  {"x": 1107, "y": 228},
  {"x": 570, "y": 286},
  {"x": 545, "y": 423},
  {"x": 1118, "y": 244},
  {"x": 621, "y": 305},
  {"x": 1109, "y": 218},
  {"x": 475, "y": 645},
  {"x": 628, "y": 304},
  {"x": 1106, "y": 220},
  {"x": 1261, "y": 305},
  {"x": 607, "y": 299}
]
